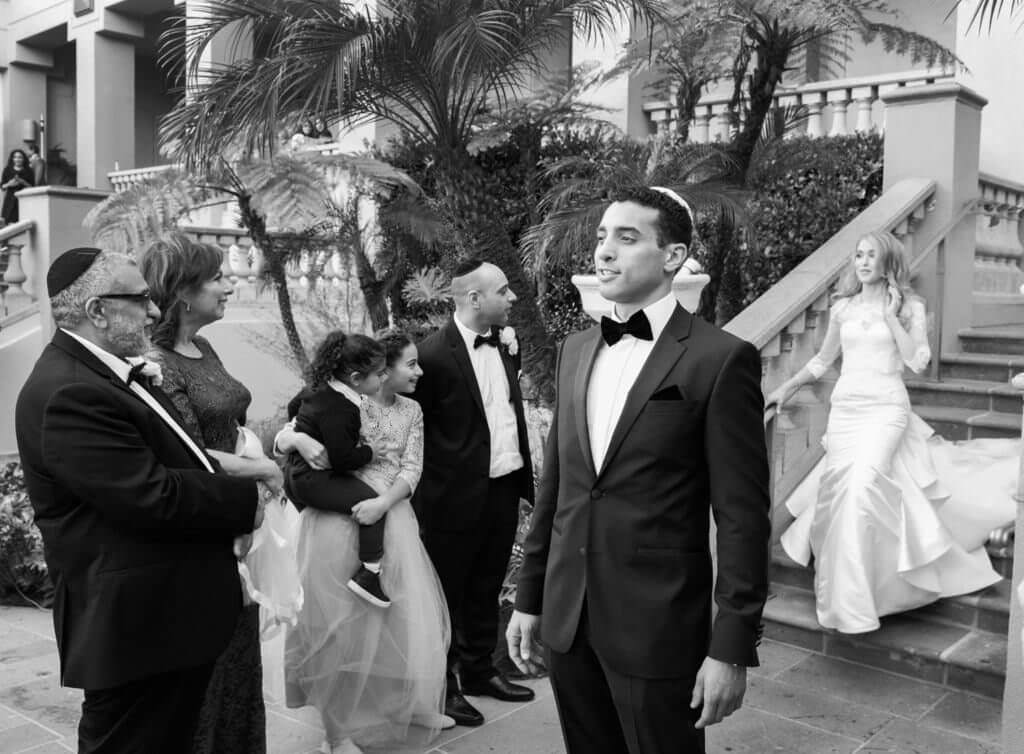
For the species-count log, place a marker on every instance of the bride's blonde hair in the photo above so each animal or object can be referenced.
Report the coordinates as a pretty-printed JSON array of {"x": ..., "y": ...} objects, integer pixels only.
[{"x": 892, "y": 259}]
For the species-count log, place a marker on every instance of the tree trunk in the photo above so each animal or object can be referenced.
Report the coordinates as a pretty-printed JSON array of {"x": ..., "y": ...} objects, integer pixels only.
[
  {"x": 477, "y": 218},
  {"x": 770, "y": 65},
  {"x": 374, "y": 291},
  {"x": 256, "y": 224}
]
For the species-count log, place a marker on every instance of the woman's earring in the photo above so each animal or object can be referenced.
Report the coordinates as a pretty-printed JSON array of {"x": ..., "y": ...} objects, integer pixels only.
[{"x": 188, "y": 306}]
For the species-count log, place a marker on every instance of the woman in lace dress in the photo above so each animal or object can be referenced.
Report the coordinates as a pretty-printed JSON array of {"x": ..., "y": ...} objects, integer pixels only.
[
  {"x": 875, "y": 526},
  {"x": 376, "y": 676},
  {"x": 185, "y": 282}
]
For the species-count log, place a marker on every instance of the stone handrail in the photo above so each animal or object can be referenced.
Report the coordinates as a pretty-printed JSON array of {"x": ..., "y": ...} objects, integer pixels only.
[
  {"x": 998, "y": 255},
  {"x": 121, "y": 180},
  {"x": 15, "y": 302},
  {"x": 327, "y": 272},
  {"x": 787, "y": 324},
  {"x": 827, "y": 105}
]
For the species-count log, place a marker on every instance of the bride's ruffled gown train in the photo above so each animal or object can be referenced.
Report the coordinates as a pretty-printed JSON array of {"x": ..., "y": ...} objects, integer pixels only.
[{"x": 895, "y": 516}]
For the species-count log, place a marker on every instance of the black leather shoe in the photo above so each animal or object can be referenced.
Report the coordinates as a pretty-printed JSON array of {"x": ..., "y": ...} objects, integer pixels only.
[
  {"x": 498, "y": 687},
  {"x": 461, "y": 711}
]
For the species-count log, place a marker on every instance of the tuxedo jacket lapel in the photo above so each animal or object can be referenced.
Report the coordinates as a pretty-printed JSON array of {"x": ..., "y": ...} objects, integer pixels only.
[
  {"x": 461, "y": 357},
  {"x": 667, "y": 351},
  {"x": 584, "y": 366}
]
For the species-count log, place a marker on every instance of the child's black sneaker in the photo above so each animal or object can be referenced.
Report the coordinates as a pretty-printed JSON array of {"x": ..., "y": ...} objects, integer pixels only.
[{"x": 366, "y": 584}]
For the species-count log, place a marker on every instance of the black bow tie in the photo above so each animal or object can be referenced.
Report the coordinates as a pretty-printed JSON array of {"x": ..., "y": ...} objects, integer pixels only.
[
  {"x": 638, "y": 326},
  {"x": 135, "y": 374},
  {"x": 486, "y": 340}
]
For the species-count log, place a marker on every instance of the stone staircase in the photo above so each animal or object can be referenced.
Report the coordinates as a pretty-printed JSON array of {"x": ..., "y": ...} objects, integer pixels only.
[{"x": 958, "y": 642}]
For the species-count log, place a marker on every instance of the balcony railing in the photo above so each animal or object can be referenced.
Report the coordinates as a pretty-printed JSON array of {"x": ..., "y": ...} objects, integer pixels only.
[
  {"x": 15, "y": 301},
  {"x": 125, "y": 179},
  {"x": 997, "y": 273},
  {"x": 833, "y": 108}
]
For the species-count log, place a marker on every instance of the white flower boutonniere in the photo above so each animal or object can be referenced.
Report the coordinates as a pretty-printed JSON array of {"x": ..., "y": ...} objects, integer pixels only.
[
  {"x": 508, "y": 339},
  {"x": 150, "y": 370}
]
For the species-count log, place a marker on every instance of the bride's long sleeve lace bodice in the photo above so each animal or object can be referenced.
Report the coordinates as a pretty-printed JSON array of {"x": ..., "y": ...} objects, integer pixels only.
[{"x": 859, "y": 331}]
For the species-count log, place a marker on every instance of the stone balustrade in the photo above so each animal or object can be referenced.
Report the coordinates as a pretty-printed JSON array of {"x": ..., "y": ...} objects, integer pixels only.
[
  {"x": 833, "y": 108},
  {"x": 997, "y": 258},
  {"x": 121, "y": 180},
  {"x": 18, "y": 294},
  {"x": 788, "y": 324},
  {"x": 324, "y": 273}
]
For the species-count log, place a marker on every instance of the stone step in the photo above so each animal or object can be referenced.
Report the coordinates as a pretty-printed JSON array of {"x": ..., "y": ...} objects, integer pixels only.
[
  {"x": 909, "y": 644},
  {"x": 997, "y": 340},
  {"x": 955, "y": 423},
  {"x": 996, "y": 367},
  {"x": 984, "y": 395},
  {"x": 987, "y": 610}
]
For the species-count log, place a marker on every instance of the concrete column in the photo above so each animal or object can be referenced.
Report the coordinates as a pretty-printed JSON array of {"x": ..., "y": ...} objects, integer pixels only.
[
  {"x": 58, "y": 212},
  {"x": 934, "y": 132},
  {"x": 23, "y": 98},
  {"x": 105, "y": 107},
  {"x": 1013, "y": 694}
]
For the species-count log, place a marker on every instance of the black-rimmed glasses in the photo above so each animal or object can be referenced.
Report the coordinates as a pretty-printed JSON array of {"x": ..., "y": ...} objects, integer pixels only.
[{"x": 143, "y": 297}]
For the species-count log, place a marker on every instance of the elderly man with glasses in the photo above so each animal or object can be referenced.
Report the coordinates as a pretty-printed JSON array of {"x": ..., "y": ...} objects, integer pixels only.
[{"x": 137, "y": 522}]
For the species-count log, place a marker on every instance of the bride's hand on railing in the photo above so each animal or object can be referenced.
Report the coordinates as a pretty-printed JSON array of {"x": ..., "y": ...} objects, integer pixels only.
[{"x": 776, "y": 399}]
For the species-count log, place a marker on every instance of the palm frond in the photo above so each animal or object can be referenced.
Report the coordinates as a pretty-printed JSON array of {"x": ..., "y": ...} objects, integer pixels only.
[{"x": 129, "y": 220}]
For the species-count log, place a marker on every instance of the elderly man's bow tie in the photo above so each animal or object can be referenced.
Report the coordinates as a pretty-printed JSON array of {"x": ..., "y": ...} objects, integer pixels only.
[
  {"x": 638, "y": 326},
  {"x": 486, "y": 340},
  {"x": 135, "y": 374}
]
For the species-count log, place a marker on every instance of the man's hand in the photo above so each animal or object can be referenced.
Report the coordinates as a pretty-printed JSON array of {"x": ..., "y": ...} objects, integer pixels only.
[
  {"x": 720, "y": 688},
  {"x": 369, "y": 512},
  {"x": 521, "y": 636},
  {"x": 312, "y": 452}
]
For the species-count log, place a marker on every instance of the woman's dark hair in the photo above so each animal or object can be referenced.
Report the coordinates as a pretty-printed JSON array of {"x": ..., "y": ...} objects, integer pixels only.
[
  {"x": 395, "y": 342},
  {"x": 674, "y": 223},
  {"x": 173, "y": 265},
  {"x": 10, "y": 158},
  {"x": 341, "y": 354}
]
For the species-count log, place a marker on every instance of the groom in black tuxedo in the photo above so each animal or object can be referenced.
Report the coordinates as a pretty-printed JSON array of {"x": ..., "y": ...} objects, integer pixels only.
[
  {"x": 658, "y": 423},
  {"x": 476, "y": 467},
  {"x": 137, "y": 525}
]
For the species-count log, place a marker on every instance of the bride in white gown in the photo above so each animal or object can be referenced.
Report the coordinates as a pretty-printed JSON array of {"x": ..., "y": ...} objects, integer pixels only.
[{"x": 877, "y": 513}]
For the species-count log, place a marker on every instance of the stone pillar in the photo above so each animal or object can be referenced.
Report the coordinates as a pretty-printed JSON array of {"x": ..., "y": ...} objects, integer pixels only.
[
  {"x": 23, "y": 98},
  {"x": 934, "y": 131},
  {"x": 58, "y": 212},
  {"x": 1013, "y": 694},
  {"x": 105, "y": 107}
]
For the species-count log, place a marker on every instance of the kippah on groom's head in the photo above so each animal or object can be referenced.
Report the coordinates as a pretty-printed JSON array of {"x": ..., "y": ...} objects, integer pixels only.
[
  {"x": 467, "y": 266},
  {"x": 68, "y": 267}
]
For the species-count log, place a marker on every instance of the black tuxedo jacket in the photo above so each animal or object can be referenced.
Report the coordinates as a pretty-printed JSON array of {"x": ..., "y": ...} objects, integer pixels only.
[
  {"x": 137, "y": 535},
  {"x": 632, "y": 536},
  {"x": 456, "y": 438}
]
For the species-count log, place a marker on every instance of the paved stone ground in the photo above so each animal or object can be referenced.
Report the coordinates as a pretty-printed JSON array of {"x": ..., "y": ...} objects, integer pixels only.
[{"x": 797, "y": 703}]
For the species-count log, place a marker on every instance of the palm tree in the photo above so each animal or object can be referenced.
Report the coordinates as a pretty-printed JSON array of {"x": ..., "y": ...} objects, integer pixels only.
[
  {"x": 771, "y": 34},
  {"x": 430, "y": 68},
  {"x": 282, "y": 203},
  {"x": 992, "y": 10}
]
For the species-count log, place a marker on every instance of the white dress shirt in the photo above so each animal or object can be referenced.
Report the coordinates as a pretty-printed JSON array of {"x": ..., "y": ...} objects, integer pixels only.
[
  {"x": 492, "y": 380},
  {"x": 121, "y": 368},
  {"x": 615, "y": 370}
]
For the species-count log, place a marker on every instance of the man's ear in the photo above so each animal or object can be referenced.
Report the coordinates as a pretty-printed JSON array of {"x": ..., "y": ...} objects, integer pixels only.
[
  {"x": 94, "y": 311},
  {"x": 675, "y": 255}
]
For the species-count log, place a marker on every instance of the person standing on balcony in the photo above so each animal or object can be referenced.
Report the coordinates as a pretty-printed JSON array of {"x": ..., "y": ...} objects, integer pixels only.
[
  {"x": 136, "y": 519},
  {"x": 875, "y": 525},
  {"x": 185, "y": 279},
  {"x": 657, "y": 424},
  {"x": 16, "y": 176}
]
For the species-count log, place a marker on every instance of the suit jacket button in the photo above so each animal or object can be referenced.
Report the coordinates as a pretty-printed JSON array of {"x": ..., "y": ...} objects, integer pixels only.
[
  {"x": 596, "y": 494},
  {"x": 583, "y": 551}
]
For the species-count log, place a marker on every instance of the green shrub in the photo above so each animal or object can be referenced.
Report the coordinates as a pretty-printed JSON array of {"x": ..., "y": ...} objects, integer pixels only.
[
  {"x": 23, "y": 576},
  {"x": 805, "y": 191}
]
